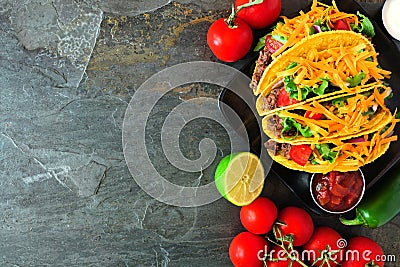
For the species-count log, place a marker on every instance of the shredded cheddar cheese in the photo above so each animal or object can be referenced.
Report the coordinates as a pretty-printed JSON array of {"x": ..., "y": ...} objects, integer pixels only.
[{"x": 297, "y": 28}]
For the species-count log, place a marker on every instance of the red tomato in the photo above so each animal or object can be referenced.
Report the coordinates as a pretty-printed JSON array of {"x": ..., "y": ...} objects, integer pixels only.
[
  {"x": 272, "y": 44},
  {"x": 361, "y": 251},
  {"x": 341, "y": 25},
  {"x": 259, "y": 216},
  {"x": 300, "y": 154},
  {"x": 260, "y": 15},
  {"x": 284, "y": 98},
  {"x": 296, "y": 222},
  {"x": 228, "y": 43},
  {"x": 279, "y": 258},
  {"x": 320, "y": 240},
  {"x": 247, "y": 250},
  {"x": 311, "y": 115}
]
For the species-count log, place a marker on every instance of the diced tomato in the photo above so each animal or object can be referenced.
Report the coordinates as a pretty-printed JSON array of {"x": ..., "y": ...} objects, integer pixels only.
[
  {"x": 348, "y": 182},
  {"x": 323, "y": 198},
  {"x": 313, "y": 115},
  {"x": 339, "y": 190},
  {"x": 352, "y": 198},
  {"x": 357, "y": 185},
  {"x": 344, "y": 189},
  {"x": 272, "y": 44},
  {"x": 332, "y": 177},
  {"x": 339, "y": 178},
  {"x": 335, "y": 200},
  {"x": 284, "y": 98},
  {"x": 300, "y": 154},
  {"x": 341, "y": 25}
]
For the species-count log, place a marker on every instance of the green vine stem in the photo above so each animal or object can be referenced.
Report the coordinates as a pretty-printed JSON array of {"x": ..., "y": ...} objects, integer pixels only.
[
  {"x": 282, "y": 241},
  {"x": 231, "y": 19}
]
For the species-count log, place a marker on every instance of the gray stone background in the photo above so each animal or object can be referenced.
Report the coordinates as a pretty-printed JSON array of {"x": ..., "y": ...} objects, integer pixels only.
[{"x": 68, "y": 70}]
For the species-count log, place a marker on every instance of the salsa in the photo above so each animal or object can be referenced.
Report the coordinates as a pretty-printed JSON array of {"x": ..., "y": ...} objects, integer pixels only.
[{"x": 337, "y": 191}]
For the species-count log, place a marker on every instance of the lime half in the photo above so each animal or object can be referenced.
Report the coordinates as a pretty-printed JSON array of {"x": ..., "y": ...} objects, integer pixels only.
[{"x": 239, "y": 178}]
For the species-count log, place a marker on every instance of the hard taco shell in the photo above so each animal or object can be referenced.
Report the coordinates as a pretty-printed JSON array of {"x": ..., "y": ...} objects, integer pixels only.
[{"x": 321, "y": 42}]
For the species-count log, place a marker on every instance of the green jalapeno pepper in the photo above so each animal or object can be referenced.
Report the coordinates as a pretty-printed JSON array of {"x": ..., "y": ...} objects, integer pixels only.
[{"x": 381, "y": 203}]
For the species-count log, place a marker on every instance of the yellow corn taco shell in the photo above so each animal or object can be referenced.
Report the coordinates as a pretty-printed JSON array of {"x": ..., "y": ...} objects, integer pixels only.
[
  {"x": 263, "y": 109},
  {"x": 322, "y": 134},
  {"x": 339, "y": 116},
  {"x": 344, "y": 166},
  {"x": 349, "y": 157},
  {"x": 309, "y": 48}
]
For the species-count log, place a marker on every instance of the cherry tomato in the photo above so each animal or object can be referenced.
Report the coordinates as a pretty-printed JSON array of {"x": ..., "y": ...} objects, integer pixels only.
[
  {"x": 247, "y": 250},
  {"x": 361, "y": 252},
  {"x": 260, "y": 15},
  {"x": 284, "y": 98},
  {"x": 296, "y": 222},
  {"x": 259, "y": 216},
  {"x": 325, "y": 240},
  {"x": 300, "y": 154},
  {"x": 279, "y": 258},
  {"x": 272, "y": 44},
  {"x": 229, "y": 43},
  {"x": 341, "y": 25},
  {"x": 313, "y": 115}
]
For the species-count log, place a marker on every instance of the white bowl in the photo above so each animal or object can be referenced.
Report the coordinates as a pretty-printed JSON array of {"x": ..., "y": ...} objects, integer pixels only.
[{"x": 391, "y": 17}]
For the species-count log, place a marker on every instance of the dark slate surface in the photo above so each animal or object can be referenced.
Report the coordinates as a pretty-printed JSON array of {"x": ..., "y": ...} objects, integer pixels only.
[{"x": 69, "y": 69}]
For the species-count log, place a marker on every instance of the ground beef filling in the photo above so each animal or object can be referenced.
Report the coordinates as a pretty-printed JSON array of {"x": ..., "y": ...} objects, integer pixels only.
[
  {"x": 271, "y": 100},
  {"x": 262, "y": 62},
  {"x": 276, "y": 148},
  {"x": 275, "y": 125}
]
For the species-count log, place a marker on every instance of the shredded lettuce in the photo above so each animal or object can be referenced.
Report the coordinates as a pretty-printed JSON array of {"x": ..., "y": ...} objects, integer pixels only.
[
  {"x": 290, "y": 124},
  {"x": 260, "y": 44},
  {"x": 326, "y": 153},
  {"x": 365, "y": 26},
  {"x": 312, "y": 160},
  {"x": 291, "y": 87},
  {"x": 320, "y": 90},
  {"x": 384, "y": 129},
  {"x": 291, "y": 65},
  {"x": 356, "y": 80},
  {"x": 279, "y": 38},
  {"x": 368, "y": 113},
  {"x": 261, "y": 41},
  {"x": 340, "y": 101}
]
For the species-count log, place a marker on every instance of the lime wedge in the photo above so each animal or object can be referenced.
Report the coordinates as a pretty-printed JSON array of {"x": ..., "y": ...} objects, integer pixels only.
[{"x": 239, "y": 178}]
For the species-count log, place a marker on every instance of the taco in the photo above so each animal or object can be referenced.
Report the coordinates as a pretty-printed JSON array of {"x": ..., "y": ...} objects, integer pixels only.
[
  {"x": 289, "y": 32},
  {"x": 332, "y": 118},
  {"x": 320, "y": 66},
  {"x": 345, "y": 155}
]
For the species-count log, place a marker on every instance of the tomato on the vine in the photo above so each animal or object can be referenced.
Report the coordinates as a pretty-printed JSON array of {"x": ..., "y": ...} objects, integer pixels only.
[
  {"x": 247, "y": 250},
  {"x": 278, "y": 257},
  {"x": 261, "y": 15},
  {"x": 364, "y": 252},
  {"x": 229, "y": 43},
  {"x": 296, "y": 224},
  {"x": 325, "y": 245},
  {"x": 259, "y": 216}
]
